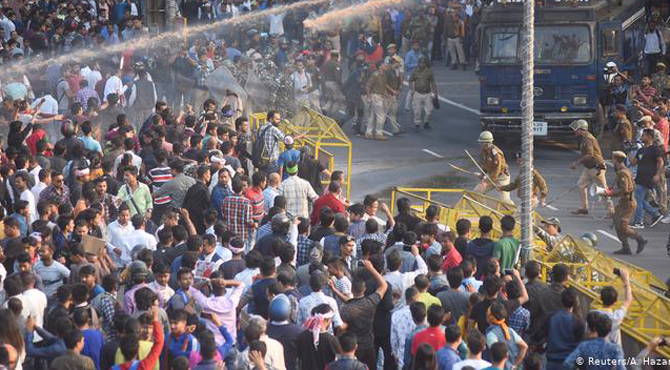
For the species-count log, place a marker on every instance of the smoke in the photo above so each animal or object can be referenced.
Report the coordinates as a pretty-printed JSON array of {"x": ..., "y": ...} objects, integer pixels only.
[
  {"x": 149, "y": 42},
  {"x": 335, "y": 18}
]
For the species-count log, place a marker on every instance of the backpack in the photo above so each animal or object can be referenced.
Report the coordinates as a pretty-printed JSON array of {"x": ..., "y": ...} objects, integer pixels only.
[
  {"x": 59, "y": 98},
  {"x": 346, "y": 364},
  {"x": 259, "y": 151},
  {"x": 133, "y": 366},
  {"x": 512, "y": 348}
]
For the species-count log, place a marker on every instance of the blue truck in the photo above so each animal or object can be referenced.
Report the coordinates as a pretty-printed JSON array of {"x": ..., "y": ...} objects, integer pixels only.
[{"x": 574, "y": 40}]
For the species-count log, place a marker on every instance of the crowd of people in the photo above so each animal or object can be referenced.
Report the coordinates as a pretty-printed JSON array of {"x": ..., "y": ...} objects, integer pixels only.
[
  {"x": 146, "y": 225},
  {"x": 359, "y": 65}
]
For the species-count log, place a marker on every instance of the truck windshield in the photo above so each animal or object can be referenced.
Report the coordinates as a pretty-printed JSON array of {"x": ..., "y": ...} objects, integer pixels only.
[{"x": 553, "y": 45}]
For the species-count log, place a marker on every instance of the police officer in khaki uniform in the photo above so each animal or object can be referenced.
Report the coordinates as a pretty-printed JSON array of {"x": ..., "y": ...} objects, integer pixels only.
[
  {"x": 622, "y": 136},
  {"x": 539, "y": 186},
  {"x": 495, "y": 166},
  {"x": 422, "y": 89},
  {"x": 594, "y": 166},
  {"x": 623, "y": 189},
  {"x": 376, "y": 89},
  {"x": 394, "y": 76}
]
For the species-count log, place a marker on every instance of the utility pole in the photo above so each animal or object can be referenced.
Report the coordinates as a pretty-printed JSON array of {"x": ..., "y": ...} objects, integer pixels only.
[
  {"x": 170, "y": 14},
  {"x": 527, "y": 100}
]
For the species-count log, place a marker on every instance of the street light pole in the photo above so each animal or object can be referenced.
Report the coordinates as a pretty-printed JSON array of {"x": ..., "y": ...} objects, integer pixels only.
[{"x": 527, "y": 100}]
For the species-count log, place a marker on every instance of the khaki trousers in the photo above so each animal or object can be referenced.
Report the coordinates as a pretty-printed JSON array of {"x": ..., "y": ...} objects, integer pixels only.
[
  {"x": 593, "y": 176},
  {"x": 391, "y": 109},
  {"x": 377, "y": 116},
  {"x": 422, "y": 105},
  {"x": 485, "y": 186}
]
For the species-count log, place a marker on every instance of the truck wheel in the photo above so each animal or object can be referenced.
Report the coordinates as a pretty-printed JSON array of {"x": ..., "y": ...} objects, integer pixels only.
[{"x": 599, "y": 123}]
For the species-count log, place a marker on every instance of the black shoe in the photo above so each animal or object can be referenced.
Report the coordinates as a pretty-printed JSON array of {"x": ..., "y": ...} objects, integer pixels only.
[
  {"x": 641, "y": 242},
  {"x": 454, "y": 67},
  {"x": 417, "y": 128},
  {"x": 427, "y": 127},
  {"x": 624, "y": 250},
  {"x": 655, "y": 221},
  {"x": 399, "y": 132}
]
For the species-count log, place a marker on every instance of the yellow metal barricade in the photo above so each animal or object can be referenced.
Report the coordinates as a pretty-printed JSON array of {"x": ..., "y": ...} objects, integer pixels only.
[
  {"x": 322, "y": 134},
  {"x": 590, "y": 269}
]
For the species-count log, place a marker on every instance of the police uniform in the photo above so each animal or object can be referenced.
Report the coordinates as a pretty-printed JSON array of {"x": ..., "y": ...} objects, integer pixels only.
[
  {"x": 660, "y": 81},
  {"x": 284, "y": 98},
  {"x": 376, "y": 87},
  {"x": 393, "y": 82},
  {"x": 539, "y": 187},
  {"x": 623, "y": 133},
  {"x": 314, "y": 94},
  {"x": 623, "y": 189},
  {"x": 422, "y": 103},
  {"x": 594, "y": 167},
  {"x": 495, "y": 166},
  {"x": 419, "y": 28},
  {"x": 332, "y": 92}
]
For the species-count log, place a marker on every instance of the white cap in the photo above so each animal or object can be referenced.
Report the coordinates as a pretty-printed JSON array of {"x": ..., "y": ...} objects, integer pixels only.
[{"x": 288, "y": 140}]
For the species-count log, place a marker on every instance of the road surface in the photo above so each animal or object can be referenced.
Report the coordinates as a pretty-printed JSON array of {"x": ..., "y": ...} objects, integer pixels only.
[{"x": 420, "y": 159}]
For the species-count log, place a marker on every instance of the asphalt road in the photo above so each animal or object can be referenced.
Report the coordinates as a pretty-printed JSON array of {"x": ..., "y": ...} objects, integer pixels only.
[{"x": 420, "y": 159}]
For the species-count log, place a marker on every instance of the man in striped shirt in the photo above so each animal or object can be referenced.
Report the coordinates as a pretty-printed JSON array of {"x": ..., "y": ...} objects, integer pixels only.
[{"x": 158, "y": 176}]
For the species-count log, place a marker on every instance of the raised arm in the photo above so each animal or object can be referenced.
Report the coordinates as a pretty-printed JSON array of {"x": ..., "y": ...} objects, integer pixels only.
[{"x": 383, "y": 285}]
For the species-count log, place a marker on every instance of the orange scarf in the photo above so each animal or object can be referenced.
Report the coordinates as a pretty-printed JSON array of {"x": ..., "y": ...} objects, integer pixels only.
[{"x": 495, "y": 321}]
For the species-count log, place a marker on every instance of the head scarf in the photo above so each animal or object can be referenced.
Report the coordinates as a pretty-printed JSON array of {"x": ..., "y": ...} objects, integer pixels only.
[
  {"x": 501, "y": 322},
  {"x": 314, "y": 324}
]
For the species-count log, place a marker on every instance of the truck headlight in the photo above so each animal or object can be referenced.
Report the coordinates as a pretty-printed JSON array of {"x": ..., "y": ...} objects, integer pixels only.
[
  {"x": 579, "y": 100},
  {"x": 492, "y": 101}
]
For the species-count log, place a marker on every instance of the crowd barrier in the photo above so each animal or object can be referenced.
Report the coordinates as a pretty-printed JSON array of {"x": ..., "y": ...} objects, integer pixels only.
[
  {"x": 330, "y": 144},
  {"x": 590, "y": 269}
]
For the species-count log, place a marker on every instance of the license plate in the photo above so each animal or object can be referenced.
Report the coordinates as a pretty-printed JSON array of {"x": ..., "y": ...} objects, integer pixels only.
[{"x": 539, "y": 128}]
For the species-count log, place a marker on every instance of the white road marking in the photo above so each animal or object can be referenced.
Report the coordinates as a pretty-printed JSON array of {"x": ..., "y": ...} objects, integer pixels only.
[
  {"x": 459, "y": 105},
  {"x": 551, "y": 207},
  {"x": 455, "y": 104},
  {"x": 433, "y": 153},
  {"x": 609, "y": 235}
]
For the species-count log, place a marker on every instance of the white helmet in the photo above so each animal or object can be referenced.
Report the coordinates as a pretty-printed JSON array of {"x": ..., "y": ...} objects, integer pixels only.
[{"x": 485, "y": 137}]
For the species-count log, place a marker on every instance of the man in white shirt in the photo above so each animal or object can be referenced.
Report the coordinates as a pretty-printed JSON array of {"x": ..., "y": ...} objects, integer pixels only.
[
  {"x": 654, "y": 46},
  {"x": 476, "y": 345},
  {"x": 116, "y": 237},
  {"x": 34, "y": 301},
  {"x": 608, "y": 298},
  {"x": 114, "y": 85},
  {"x": 400, "y": 281},
  {"x": 271, "y": 191},
  {"x": 277, "y": 24},
  {"x": 7, "y": 25},
  {"x": 371, "y": 203},
  {"x": 302, "y": 84},
  {"x": 212, "y": 261},
  {"x": 44, "y": 181},
  {"x": 21, "y": 182},
  {"x": 138, "y": 236},
  {"x": 129, "y": 146},
  {"x": 91, "y": 74}
]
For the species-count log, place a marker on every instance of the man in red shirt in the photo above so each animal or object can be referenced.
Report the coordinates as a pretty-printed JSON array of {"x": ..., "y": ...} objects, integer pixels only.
[
  {"x": 331, "y": 200},
  {"x": 451, "y": 256},
  {"x": 434, "y": 334},
  {"x": 255, "y": 195}
]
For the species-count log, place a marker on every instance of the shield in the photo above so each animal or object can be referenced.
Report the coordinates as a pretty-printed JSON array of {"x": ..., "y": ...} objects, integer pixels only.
[
  {"x": 258, "y": 91},
  {"x": 221, "y": 80}
]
